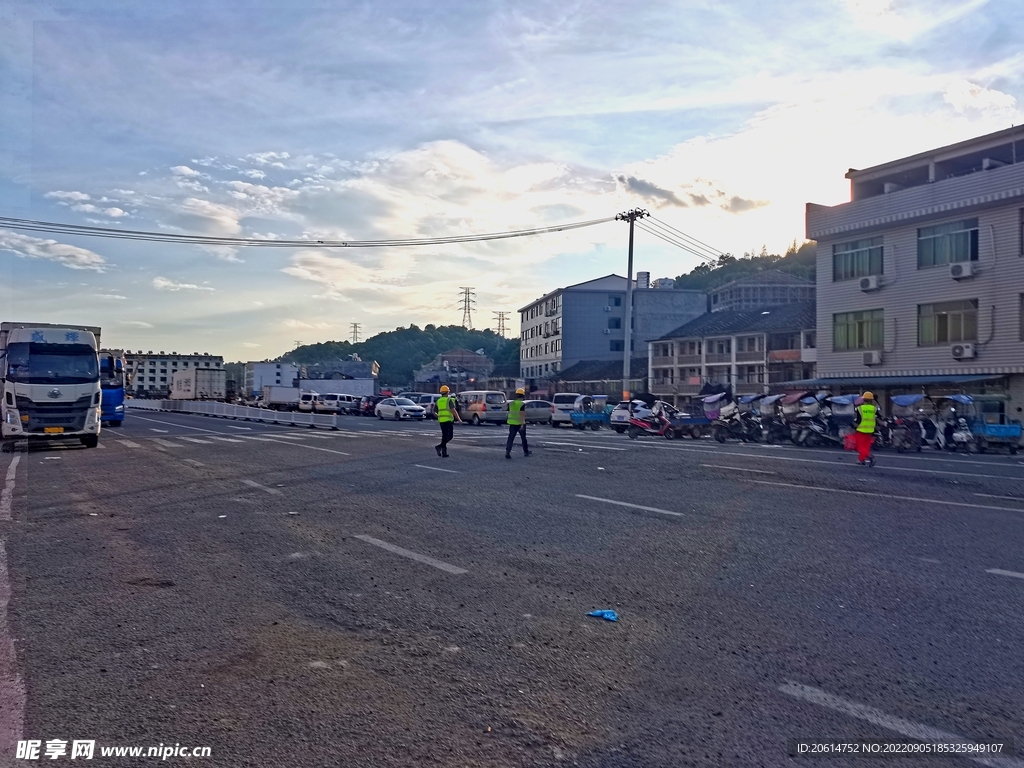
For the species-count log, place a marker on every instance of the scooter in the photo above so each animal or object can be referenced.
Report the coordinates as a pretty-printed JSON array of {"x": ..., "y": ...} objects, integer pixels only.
[{"x": 656, "y": 424}]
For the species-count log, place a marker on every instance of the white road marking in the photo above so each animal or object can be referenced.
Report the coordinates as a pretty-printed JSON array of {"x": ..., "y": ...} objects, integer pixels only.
[
  {"x": 880, "y": 495},
  {"x": 164, "y": 431},
  {"x": 265, "y": 489},
  {"x": 993, "y": 496},
  {"x": 100, "y": 445},
  {"x": 1000, "y": 572},
  {"x": 179, "y": 426},
  {"x": 261, "y": 439},
  {"x": 319, "y": 437},
  {"x": 890, "y": 722},
  {"x": 194, "y": 440},
  {"x": 288, "y": 437},
  {"x": 928, "y": 560},
  {"x": 436, "y": 469},
  {"x": 129, "y": 443},
  {"x": 627, "y": 504},
  {"x": 194, "y": 463},
  {"x": 12, "y": 711},
  {"x": 577, "y": 445},
  {"x": 167, "y": 443},
  {"x": 226, "y": 439},
  {"x": 740, "y": 469},
  {"x": 439, "y": 564},
  {"x": 7, "y": 494},
  {"x": 232, "y": 426},
  {"x": 312, "y": 448}
]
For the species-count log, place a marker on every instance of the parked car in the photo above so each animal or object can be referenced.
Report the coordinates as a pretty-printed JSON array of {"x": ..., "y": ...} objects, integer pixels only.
[
  {"x": 306, "y": 401},
  {"x": 367, "y": 405},
  {"x": 619, "y": 418},
  {"x": 483, "y": 406},
  {"x": 348, "y": 403},
  {"x": 562, "y": 404},
  {"x": 328, "y": 403},
  {"x": 429, "y": 403},
  {"x": 537, "y": 411},
  {"x": 399, "y": 408}
]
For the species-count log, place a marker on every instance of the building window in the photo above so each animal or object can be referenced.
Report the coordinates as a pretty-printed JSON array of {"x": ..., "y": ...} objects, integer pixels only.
[
  {"x": 185, "y": 364},
  {"x": 858, "y": 258},
  {"x": 615, "y": 301},
  {"x": 946, "y": 322},
  {"x": 617, "y": 346},
  {"x": 545, "y": 349},
  {"x": 858, "y": 330},
  {"x": 614, "y": 322},
  {"x": 810, "y": 339},
  {"x": 163, "y": 379},
  {"x": 947, "y": 243},
  {"x": 1022, "y": 317}
]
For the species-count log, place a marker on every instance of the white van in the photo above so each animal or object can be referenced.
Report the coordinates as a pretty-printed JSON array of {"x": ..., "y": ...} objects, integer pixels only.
[
  {"x": 562, "y": 404},
  {"x": 306, "y": 401},
  {"x": 483, "y": 406},
  {"x": 329, "y": 403}
]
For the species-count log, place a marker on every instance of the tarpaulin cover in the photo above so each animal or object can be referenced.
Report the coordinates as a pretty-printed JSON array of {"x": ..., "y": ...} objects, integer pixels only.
[{"x": 905, "y": 400}]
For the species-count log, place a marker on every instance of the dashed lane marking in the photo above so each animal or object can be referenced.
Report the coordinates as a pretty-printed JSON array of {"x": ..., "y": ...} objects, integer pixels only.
[
  {"x": 166, "y": 443},
  {"x": 226, "y": 439},
  {"x": 12, "y": 705},
  {"x": 232, "y": 426},
  {"x": 287, "y": 437},
  {"x": 312, "y": 448},
  {"x": 993, "y": 496},
  {"x": 265, "y": 489},
  {"x": 194, "y": 463},
  {"x": 874, "y": 716},
  {"x": 1000, "y": 572},
  {"x": 100, "y": 445},
  {"x": 632, "y": 506},
  {"x": 164, "y": 431},
  {"x": 129, "y": 443},
  {"x": 195, "y": 440},
  {"x": 879, "y": 495},
  {"x": 739, "y": 469},
  {"x": 439, "y": 564},
  {"x": 578, "y": 445},
  {"x": 7, "y": 494},
  {"x": 436, "y": 469}
]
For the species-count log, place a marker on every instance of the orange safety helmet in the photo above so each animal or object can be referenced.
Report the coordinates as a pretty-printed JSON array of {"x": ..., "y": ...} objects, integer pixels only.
[
  {"x": 520, "y": 391},
  {"x": 868, "y": 395},
  {"x": 445, "y": 390}
]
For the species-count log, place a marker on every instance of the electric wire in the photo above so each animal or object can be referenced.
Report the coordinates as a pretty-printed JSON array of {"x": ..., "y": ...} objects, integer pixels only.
[
  {"x": 709, "y": 248},
  {"x": 689, "y": 243},
  {"x": 675, "y": 242},
  {"x": 55, "y": 228}
]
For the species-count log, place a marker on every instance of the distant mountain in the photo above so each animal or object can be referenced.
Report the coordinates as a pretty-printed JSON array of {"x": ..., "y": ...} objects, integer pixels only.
[
  {"x": 403, "y": 350},
  {"x": 798, "y": 260}
]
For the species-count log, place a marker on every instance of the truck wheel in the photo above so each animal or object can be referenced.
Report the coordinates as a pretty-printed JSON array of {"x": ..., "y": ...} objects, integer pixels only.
[
  {"x": 115, "y": 423},
  {"x": 91, "y": 441},
  {"x": 620, "y": 430},
  {"x": 595, "y": 425},
  {"x": 582, "y": 425},
  {"x": 554, "y": 424},
  {"x": 696, "y": 433}
]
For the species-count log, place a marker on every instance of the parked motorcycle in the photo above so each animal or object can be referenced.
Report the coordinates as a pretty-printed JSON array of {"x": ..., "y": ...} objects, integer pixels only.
[{"x": 657, "y": 423}]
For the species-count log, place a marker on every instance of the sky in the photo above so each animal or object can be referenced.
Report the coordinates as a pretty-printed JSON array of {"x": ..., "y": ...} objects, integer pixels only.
[{"x": 365, "y": 121}]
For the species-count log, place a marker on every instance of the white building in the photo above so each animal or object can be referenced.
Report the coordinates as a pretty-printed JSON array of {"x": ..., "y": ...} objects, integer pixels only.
[
  {"x": 151, "y": 371},
  {"x": 257, "y": 375}
]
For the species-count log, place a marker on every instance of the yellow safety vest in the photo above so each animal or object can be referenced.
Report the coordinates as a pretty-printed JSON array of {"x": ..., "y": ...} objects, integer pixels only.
[
  {"x": 516, "y": 417},
  {"x": 867, "y": 418},
  {"x": 444, "y": 409}
]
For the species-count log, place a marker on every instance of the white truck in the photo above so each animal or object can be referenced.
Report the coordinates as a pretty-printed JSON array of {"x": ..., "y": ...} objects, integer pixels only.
[
  {"x": 279, "y": 398},
  {"x": 199, "y": 384},
  {"x": 51, "y": 383}
]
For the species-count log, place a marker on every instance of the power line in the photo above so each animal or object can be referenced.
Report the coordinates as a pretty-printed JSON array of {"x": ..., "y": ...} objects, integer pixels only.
[
  {"x": 468, "y": 301},
  {"x": 354, "y": 333},
  {"x": 677, "y": 243},
  {"x": 716, "y": 252},
  {"x": 501, "y": 318},
  {"x": 55, "y": 228}
]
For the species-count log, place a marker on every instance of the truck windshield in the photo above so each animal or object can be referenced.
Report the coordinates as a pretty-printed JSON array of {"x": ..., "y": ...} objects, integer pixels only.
[
  {"x": 110, "y": 376},
  {"x": 30, "y": 363}
]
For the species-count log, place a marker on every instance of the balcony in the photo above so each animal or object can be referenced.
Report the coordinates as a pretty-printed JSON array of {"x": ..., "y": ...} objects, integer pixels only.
[
  {"x": 689, "y": 359},
  {"x": 784, "y": 356},
  {"x": 717, "y": 358},
  {"x": 661, "y": 362},
  {"x": 750, "y": 357}
]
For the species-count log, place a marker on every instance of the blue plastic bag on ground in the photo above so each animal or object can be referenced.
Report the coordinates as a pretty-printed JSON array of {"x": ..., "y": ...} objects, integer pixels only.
[{"x": 607, "y": 615}]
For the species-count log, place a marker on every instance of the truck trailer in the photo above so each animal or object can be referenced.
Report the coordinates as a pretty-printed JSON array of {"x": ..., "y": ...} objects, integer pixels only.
[
  {"x": 50, "y": 382},
  {"x": 199, "y": 384},
  {"x": 280, "y": 398}
]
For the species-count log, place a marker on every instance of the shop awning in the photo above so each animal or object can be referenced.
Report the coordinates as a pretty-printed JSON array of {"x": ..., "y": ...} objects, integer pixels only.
[{"x": 884, "y": 382}]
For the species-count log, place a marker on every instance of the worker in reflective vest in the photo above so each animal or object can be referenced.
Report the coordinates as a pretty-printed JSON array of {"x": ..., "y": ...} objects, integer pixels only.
[
  {"x": 447, "y": 415},
  {"x": 516, "y": 424},
  {"x": 867, "y": 416}
]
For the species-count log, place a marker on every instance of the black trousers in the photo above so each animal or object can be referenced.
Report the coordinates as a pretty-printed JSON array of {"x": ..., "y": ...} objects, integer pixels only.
[
  {"x": 447, "y": 432},
  {"x": 513, "y": 430}
]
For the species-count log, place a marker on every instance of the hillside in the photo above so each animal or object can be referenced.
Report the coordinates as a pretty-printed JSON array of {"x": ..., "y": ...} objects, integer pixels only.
[
  {"x": 798, "y": 260},
  {"x": 403, "y": 350}
]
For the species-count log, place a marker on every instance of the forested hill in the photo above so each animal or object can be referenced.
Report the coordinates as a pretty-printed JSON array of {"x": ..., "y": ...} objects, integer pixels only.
[
  {"x": 403, "y": 350},
  {"x": 798, "y": 260}
]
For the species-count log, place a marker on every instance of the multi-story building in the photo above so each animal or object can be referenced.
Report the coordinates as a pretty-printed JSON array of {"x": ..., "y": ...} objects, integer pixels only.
[
  {"x": 150, "y": 372},
  {"x": 761, "y": 289},
  {"x": 744, "y": 350},
  {"x": 921, "y": 274},
  {"x": 586, "y": 322},
  {"x": 259, "y": 374}
]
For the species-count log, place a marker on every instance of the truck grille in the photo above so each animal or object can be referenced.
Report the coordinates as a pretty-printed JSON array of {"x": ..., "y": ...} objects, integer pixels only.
[{"x": 71, "y": 416}]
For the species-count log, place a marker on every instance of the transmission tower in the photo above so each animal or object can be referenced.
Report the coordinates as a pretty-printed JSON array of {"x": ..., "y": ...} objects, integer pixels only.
[
  {"x": 355, "y": 332},
  {"x": 501, "y": 318},
  {"x": 298, "y": 344},
  {"x": 468, "y": 300}
]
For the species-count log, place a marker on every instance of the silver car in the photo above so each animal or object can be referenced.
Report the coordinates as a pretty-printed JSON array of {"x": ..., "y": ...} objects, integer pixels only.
[{"x": 537, "y": 411}]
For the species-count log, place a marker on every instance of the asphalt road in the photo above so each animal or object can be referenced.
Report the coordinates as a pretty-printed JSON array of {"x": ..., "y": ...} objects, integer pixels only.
[{"x": 289, "y": 596}]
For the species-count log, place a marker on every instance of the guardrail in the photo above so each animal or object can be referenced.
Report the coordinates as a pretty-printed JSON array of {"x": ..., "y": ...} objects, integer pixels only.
[{"x": 237, "y": 412}]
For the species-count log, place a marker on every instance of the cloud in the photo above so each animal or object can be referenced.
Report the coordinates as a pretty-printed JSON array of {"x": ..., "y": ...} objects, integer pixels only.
[
  {"x": 649, "y": 191},
  {"x": 301, "y": 325},
  {"x": 70, "y": 256},
  {"x": 108, "y": 296},
  {"x": 738, "y": 204},
  {"x": 250, "y": 344},
  {"x": 268, "y": 158},
  {"x": 114, "y": 213},
  {"x": 59, "y": 195},
  {"x": 163, "y": 284},
  {"x": 254, "y": 173},
  {"x": 184, "y": 170},
  {"x": 963, "y": 95},
  {"x": 137, "y": 323}
]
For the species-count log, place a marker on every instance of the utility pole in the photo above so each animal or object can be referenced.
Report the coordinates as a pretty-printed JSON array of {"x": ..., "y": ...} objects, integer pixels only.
[
  {"x": 468, "y": 300},
  {"x": 298, "y": 344},
  {"x": 354, "y": 334},
  {"x": 627, "y": 353},
  {"x": 502, "y": 319}
]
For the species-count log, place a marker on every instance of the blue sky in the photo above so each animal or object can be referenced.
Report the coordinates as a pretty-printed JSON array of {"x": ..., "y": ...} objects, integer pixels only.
[{"x": 392, "y": 119}]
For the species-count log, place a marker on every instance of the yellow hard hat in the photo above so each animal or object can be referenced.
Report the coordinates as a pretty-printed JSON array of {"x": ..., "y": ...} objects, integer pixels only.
[
  {"x": 868, "y": 395},
  {"x": 520, "y": 391},
  {"x": 445, "y": 390}
]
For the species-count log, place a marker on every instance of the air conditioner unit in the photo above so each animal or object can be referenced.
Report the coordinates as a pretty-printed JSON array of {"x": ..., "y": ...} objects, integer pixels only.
[
  {"x": 873, "y": 358},
  {"x": 607, "y": 332},
  {"x": 607, "y": 309},
  {"x": 962, "y": 351},
  {"x": 961, "y": 270},
  {"x": 869, "y": 283}
]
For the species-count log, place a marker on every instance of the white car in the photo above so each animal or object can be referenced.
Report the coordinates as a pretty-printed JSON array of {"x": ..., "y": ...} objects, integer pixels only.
[
  {"x": 563, "y": 403},
  {"x": 619, "y": 418},
  {"x": 329, "y": 403},
  {"x": 399, "y": 408}
]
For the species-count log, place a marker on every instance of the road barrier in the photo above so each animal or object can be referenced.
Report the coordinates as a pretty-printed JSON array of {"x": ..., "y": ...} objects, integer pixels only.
[{"x": 237, "y": 412}]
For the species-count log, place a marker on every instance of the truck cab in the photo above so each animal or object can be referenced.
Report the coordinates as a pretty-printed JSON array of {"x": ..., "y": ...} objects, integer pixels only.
[
  {"x": 50, "y": 383},
  {"x": 112, "y": 387}
]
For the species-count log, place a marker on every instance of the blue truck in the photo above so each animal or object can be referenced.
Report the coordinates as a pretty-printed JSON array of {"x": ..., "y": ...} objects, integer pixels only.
[{"x": 112, "y": 385}]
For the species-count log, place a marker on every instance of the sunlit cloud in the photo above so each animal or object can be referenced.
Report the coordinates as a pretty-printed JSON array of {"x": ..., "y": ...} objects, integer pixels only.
[
  {"x": 70, "y": 256},
  {"x": 163, "y": 284}
]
